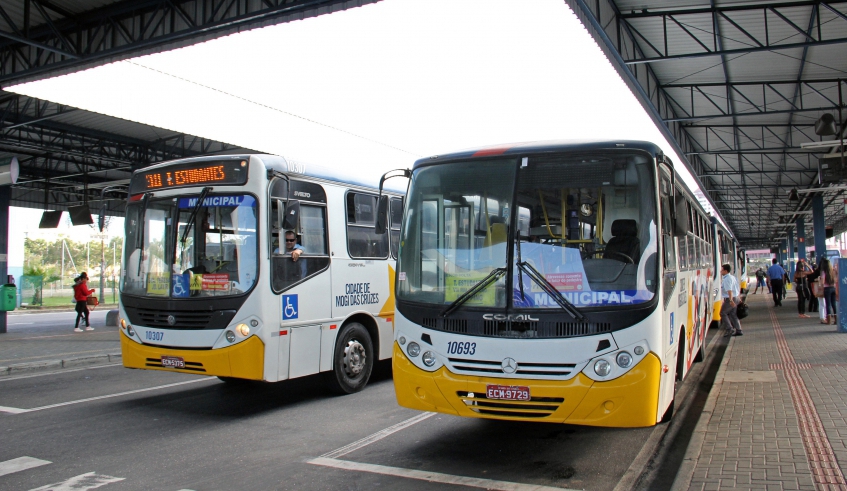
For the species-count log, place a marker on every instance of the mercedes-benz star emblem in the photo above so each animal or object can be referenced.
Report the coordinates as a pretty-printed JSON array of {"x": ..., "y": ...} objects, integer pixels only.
[
  {"x": 509, "y": 365},
  {"x": 171, "y": 320}
]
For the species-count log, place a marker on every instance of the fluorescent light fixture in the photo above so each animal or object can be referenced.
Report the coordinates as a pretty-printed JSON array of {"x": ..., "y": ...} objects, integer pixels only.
[
  {"x": 823, "y": 144},
  {"x": 816, "y": 190},
  {"x": 789, "y": 213}
]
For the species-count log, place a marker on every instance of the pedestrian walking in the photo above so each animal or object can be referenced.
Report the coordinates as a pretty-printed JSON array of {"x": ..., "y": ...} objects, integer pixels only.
[
  {"x": 776, "y": 275},
  {"x": 731, "y": 294},
  {"x": 81, "y": 294},
  {"x": 801, "y": 286},
  {"x": 760, "y": 281},
  {"x": 829, "y": 282}
]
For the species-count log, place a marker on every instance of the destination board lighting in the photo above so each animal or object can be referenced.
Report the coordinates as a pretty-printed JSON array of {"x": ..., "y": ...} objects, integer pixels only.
[{"x": 195, "y": 174}]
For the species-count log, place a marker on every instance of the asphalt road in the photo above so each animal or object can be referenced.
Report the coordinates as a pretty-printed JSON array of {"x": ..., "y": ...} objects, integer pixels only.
[
  {"x": 50, "y": 322},
  {"x": 118, "y": 429}
]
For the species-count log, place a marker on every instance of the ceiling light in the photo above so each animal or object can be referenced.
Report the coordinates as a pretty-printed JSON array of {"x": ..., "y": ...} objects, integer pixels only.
[{"x": 793, "y": 196}]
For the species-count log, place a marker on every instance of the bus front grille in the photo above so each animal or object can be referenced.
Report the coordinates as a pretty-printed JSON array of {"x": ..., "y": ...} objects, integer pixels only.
[
  {"x": 182, "y": 319},
  {"x": 485, "y": 367},
  {"x": 189, "y": 365},
  {"x": 516, "y": 329},
  {"x": 536, "y": 407}
]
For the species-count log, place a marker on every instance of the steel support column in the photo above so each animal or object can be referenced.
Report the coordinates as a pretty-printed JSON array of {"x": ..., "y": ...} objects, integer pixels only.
[
  {"x": 5, "y": 198},
  {"x": 819, "y": 222},
  {"x": 801, "y": 238},
  {"x": 790, "y": 254}
]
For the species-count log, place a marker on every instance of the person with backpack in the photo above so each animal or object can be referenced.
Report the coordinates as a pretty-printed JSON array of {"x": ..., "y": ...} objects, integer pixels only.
[{"x": 81, "y": 294}]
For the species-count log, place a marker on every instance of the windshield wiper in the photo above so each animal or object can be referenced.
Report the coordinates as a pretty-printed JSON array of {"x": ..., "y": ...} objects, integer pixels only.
[
  {"x": 139, "y": 239},
  {"x": 493, "y": 276},
  {"x": 193, "y": 215},
  {"x": 549, "y": 289}
]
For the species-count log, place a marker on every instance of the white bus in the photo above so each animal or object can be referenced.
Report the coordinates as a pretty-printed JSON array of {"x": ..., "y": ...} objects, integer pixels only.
[
  {"x": 551, "y": 281},
  {"x": 210, "y": 284}
]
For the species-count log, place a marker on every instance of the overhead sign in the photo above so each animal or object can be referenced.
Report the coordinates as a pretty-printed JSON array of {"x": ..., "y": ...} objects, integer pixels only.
[{"x": 226, "y": 172}]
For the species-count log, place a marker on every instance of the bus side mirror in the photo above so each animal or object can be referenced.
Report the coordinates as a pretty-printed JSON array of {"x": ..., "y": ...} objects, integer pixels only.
[
  {"x": 291, "y": 216},
  {"x": 680, "y": 224},
  {"x": 382, "y": 215}
]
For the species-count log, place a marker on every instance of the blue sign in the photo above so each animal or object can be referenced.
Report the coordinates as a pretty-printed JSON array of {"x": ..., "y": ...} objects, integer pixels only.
[
  {"x": 180, "y": 285},
  {"x": 289, "y": 307},
  {"x": 842, "y": 297},
  {"x": 672, "y": 329},
  {"x": 241, "y": 200}
]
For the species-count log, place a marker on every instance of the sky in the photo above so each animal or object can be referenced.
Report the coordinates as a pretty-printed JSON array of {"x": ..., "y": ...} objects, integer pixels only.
[{"x": 374, "y": 88}]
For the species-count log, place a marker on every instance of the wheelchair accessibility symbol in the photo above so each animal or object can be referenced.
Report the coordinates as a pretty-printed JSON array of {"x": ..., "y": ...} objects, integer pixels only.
[
  {"x": 179, "y": 286},
  {"x": 289, "y": 307}
]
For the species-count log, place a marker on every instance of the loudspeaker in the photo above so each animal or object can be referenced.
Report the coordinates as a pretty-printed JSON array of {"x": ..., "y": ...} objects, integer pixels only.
[
  {"x": 829, "y": 233},
  {"x": 80, "y": 215},
  {"x": 50, "y": 219}
]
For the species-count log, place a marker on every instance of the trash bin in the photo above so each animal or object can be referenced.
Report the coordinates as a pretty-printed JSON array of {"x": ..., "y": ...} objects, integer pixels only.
[{"x": 8, "y": 297}]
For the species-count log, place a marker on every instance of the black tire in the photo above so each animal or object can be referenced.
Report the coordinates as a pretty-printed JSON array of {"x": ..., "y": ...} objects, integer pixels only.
[
  {"x": 352, "y": 361},
  {"x": 234, "y": 381},
  {"x": 701, "y": 353}
]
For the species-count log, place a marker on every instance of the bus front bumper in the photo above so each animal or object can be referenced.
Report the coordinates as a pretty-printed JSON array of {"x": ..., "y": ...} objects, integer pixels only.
[
  {"x": 627, "y": 401},
  {"x": 244, "y": 360}
]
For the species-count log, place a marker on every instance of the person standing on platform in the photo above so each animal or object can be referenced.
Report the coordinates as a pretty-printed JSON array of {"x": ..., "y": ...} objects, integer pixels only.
[
  {"x": 760, "y": 281},
  {"x": 776, "y": 273},
  {"x": 730, "y": 292},
  {"x": 829, "y": 282},
  {"x": 801, "y": 286}
]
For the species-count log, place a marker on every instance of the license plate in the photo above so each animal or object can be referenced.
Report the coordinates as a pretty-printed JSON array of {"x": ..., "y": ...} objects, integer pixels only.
[
  {"x": 508, "y": 393},
  {"x": 173, "y": 361}
]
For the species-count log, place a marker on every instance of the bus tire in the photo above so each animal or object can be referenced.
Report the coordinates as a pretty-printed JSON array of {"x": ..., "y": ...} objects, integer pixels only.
[{"x": 353, "y": 360}]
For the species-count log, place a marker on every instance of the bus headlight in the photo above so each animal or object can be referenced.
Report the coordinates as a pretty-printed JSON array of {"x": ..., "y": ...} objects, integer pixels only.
[
  {"x": 602, "y": 367},
  {"x": 123, "y": 323},
  {"x": 414, "y": 349},
  {"x": 638, "y": 350},
  {"x": 230, "y": 336},
  {"x": 129, "y": 330},
  {"x": 243, "y": 330},
  {"x": 624, "y": 359},
  {"x": 401, "y": 340},
  {"x": 428, "y": 358},
  {"x": 254, "y": 323}
]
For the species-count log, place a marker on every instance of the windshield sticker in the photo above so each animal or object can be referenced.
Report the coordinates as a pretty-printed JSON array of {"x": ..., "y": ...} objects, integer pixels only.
[
  {"x": 217, "y": 281},
  {"x": 458, "y": 283},
  {"x": 196, "y": 282},
  {"x": 158, "y": 284},
  {"x": 218, "y": 201},
  {"x": 589, "y": 298},
  {"x": 180, "y": 285},
  {"x": 564, "y": 282}
]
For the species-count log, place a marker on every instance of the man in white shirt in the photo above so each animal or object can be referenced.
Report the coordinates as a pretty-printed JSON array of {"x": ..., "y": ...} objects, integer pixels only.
[{"x": 730, "y": 292}]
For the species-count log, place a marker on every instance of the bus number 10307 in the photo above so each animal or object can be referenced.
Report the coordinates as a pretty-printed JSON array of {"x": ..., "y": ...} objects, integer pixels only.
[{"x": 458, "y": 348}]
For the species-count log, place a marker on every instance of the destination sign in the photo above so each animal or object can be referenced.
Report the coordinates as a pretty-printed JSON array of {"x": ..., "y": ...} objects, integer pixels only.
[{"x": 227, "y": 172}]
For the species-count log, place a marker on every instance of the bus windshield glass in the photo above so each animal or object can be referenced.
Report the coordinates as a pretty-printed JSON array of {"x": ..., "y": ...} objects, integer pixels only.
[
  {"x": 586, "y": 223},
  {"x": 169, "y": 254}
]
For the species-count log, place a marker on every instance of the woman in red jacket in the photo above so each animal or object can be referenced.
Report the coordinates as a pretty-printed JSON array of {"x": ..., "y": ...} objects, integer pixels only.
[{"x": 81, "y": 293}]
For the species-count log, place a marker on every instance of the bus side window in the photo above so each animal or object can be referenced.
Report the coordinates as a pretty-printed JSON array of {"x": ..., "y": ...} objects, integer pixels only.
[
  {"x": 276, "y": 206},
  {"x": 311, "y": 236},
  {"x": 362, "y": 240}
]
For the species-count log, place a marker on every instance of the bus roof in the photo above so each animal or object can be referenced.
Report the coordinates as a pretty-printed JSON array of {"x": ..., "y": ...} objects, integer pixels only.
[
  {"x": 293, "y": 167},
  {"x": 541, "y": 147}
]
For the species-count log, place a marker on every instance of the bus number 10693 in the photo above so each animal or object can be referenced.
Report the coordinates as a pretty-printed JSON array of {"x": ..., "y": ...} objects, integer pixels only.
[{"x": 454, "y": 348}]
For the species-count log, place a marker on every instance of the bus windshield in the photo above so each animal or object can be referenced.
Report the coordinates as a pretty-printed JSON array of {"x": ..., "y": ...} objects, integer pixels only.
[
  {"x": 585, "y": 223},
  {"x": 169, "y": 254}
]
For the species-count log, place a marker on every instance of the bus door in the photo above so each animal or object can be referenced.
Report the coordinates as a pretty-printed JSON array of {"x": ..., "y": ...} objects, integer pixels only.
[
  {"x": 305, "y": 310},
  {"x": 671, "y": 316},
  {"x": 361, "y": 282}
]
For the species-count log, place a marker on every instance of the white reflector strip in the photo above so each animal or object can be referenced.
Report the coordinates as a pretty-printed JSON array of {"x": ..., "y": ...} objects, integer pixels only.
[
  {"x": 82, "y": 482},
  {"x": 438, "y": 477},
  {"x": 20, "y": 464}
]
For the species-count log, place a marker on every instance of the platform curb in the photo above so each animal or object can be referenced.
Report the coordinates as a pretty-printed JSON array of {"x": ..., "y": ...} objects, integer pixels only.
[
  {"x": 53, "y": 365},
  {"x": 685, "y": 474}
]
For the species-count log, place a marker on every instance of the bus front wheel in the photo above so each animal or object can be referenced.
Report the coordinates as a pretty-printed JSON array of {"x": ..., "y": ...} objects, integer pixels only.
[{"x": 353, "y": 360}]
